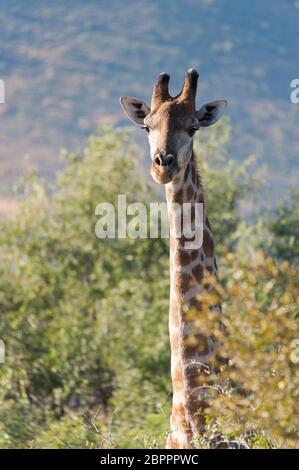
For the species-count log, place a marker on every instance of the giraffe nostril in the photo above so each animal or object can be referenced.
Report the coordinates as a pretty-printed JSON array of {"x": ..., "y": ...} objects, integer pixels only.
[
  {"x": 170, "y": 160},
  {"x": 158, "y": 160},
  {"x": 164, "y": 160}
]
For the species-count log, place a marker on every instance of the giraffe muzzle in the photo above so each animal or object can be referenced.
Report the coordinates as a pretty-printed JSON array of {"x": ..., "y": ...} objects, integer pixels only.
[{"x": 164, "y": 167}]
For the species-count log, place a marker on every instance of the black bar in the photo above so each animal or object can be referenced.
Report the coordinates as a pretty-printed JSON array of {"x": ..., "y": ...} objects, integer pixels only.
[{"x": 135, "y": 458}]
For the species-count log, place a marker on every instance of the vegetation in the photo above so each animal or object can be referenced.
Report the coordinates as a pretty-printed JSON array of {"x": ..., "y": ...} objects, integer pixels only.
[{"x": 85, "y": 321}]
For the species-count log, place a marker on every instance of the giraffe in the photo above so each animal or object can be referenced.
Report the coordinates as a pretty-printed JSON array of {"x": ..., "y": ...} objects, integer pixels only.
[{"x": 171, "y": 123}]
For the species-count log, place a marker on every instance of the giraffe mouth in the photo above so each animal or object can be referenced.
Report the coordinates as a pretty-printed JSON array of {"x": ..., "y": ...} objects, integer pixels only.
[{"x": 162, "y": 175}]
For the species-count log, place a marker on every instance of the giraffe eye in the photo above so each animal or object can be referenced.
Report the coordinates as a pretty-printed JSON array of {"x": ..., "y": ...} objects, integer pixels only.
[
  {"x": 192, "y": 131},
  {"x": 147, "y": 129}
]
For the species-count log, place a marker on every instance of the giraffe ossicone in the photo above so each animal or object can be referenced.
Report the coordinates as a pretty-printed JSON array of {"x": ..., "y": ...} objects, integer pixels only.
[{"x": 170, "y": 123}]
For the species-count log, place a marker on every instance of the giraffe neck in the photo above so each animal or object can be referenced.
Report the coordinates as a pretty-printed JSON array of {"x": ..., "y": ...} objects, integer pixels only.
[
  {"x": 187, "y": 264},
  {"x": 187, "y": 271}
]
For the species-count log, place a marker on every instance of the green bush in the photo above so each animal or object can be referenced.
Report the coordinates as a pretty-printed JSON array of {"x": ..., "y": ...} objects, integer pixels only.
[
  {"x": 85, "y": 321},
  {"x": 284, "y": 228}
]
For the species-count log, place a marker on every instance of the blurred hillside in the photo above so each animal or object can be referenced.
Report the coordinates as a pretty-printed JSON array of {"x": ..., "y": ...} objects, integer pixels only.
[{"x": 66, "y": 64}]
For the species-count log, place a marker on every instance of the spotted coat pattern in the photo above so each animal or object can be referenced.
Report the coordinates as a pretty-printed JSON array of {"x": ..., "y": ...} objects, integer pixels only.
[{"x": 190, "y": 360}]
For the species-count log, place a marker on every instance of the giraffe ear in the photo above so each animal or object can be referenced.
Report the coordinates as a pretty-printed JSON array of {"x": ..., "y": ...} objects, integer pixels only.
[
  {"x": 136, "y": 110},
  {"x": 211, "y": 112}
]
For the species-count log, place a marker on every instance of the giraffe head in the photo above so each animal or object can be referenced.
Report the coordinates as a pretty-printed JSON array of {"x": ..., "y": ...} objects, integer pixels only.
[{"x": 171, "y": 123}]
